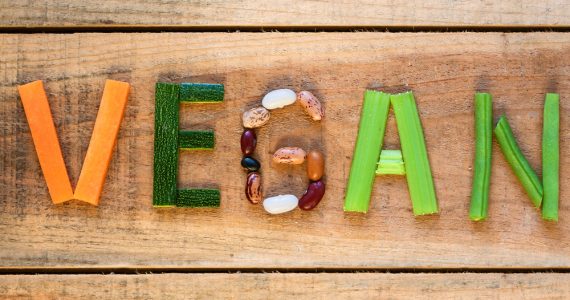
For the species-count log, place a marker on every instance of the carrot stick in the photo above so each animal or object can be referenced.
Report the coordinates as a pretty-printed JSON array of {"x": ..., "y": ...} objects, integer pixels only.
[
  {"x": 100, "y": 149},
  {"x": 39, "y": 117}
]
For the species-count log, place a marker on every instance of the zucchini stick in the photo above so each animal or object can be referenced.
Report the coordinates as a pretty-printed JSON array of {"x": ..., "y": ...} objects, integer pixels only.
[
  {"x": 375, "y": 108},
  {"x": 518, "y": 162},
  {"x": 550, "y": 157},
  {"x": 483, "y": 151},
  {"x": 416, "y": 161}
]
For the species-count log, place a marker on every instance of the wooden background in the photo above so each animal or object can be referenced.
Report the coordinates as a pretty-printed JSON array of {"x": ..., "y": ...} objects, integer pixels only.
[{"x": 208, "y": 249}]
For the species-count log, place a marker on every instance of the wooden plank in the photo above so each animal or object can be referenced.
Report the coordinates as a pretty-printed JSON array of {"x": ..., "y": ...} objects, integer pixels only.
[
  {"x": 56, "y": 13},
  {"x": 443, "y": 70},
  {"x": 279, "y": 286}
]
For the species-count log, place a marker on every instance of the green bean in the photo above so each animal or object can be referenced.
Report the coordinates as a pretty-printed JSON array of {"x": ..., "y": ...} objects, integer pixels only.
[
  {"x": 483, "y": 151},
  {"x": 550, "y": 157},
  {"x": 518, "y": 162}
]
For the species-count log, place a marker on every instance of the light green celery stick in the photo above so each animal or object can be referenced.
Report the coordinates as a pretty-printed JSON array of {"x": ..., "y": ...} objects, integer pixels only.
[
  {"x": 391, "y": 163},
  {"x": 518, "y": 162},
  {"x": 375, "y": 108},
  {"x": 416, "y": 161},
  {"x": 550, "y": 157},
  {"x": 483, "y": 150}
]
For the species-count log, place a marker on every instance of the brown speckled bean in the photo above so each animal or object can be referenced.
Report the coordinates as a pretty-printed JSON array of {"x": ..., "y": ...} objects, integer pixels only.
[
  {"x": 311, "y": 104},
  {"x": 255, "y": 117},
  {"x": 289, "y": 155},
  {"x": 315, "y": 165},
  {"x": 253, "y": 188}
]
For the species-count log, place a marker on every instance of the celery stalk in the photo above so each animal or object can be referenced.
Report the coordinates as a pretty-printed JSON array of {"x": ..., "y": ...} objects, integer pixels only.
[
  {"x": 518, "y": 162},
  {"x": 391, "y": 163},
  {"x": 483, "y": 150},
  {"x": 416, "y": 161},
  {"x": 375, "y": 108},
  {"x": 550, "y": 157}
]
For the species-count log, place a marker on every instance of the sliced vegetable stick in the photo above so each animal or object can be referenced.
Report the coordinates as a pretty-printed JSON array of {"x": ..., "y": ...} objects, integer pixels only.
[
  {"x": 514, "y": 156},
  {"x": 44, "y": 135},
  {"x": 375, "y": 108},
  {"x": 416, "y": 160},
  {"x": 166, "y": 125},
  {"x": 483, "y": 152},
  {"x": 100, "y": 151},
  {"x": 551, "y": 157}
]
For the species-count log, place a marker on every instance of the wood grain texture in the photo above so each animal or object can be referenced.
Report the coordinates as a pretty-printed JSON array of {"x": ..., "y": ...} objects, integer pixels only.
[
  {"x": 281, "y": 286},
  {"x": 219, "y": 13},
  {"x": 443, "y": 69}
]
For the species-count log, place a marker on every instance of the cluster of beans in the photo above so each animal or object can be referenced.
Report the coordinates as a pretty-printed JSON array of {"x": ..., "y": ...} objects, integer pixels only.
[{"x": 259, "y": 116}]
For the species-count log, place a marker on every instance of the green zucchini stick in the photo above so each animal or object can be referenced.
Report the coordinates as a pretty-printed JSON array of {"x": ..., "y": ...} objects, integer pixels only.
[
  {"x": 550, "y": 157},
  {"x": 375, "y": 108},
  {"x": 518, "y": 162},
  {"x": 416, "y": 161},
  {"x": 483, "y": 150}
]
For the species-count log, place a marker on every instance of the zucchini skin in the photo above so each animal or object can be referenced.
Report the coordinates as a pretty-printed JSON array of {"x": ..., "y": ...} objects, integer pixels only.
[
  {"x": 166, "y": 124},
  {"x": 196, "y": 139},
  {"x": 198, "y": 198},
  {"x": 201, "y": 92}
]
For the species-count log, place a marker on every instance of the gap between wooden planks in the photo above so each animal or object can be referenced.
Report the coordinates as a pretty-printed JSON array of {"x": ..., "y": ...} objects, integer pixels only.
[
  {"x": 228, "y": 13},
  {"x": 275, "y": 285},
  {"x": 443, "y": 70}
]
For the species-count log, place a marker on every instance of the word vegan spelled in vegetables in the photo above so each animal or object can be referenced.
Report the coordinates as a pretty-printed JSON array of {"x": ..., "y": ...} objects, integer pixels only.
[
  {"x": 543, "y": 193},
  {"x": 99, "y": 153},
  {"x": 368, "y": 151}
]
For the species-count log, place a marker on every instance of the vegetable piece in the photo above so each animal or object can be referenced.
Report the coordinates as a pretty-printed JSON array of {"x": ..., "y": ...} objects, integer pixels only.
[
  {"x": 518, "y": 162},
  {"x": 416, "y": 161},
  {"x": 550, "y": 157},
  {"x": 201, "y": 92},
  {"x": 196, "y": 139},
  {"x": 483, "y": 151},
  {"x": 44, "y": 135},
  {"x": 198, "y": 198},
  {"x": 391, "y": 163},
  {"x": 375, "y": 108},
  {"x": 165, "y": 145},
  {"x": 100, "y": 151}
]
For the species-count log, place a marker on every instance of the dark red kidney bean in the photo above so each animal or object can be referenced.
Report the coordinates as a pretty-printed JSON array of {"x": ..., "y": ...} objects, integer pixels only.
[
  {"x": 248, "y": 141},
  {"x": 312, "y": 196},
  {"x": 253, "y": 188},
  {"x": 250, "y": 163}
]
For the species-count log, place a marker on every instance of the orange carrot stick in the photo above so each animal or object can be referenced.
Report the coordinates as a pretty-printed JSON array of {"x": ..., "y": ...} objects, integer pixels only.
[
  {"x": 39, "y": 117},
  {"x": 100, "y": 149}
]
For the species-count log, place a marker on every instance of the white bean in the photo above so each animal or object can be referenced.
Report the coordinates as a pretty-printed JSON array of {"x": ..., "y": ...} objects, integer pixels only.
[
  {"x": 280, "y": 204},
  {"x": 279, "y": 98}
]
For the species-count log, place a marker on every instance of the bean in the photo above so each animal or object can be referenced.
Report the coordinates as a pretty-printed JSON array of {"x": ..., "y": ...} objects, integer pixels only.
[
  {"x": 280, "y": 204},
  {"x": 248, "y": 141},
  {"x": 315, "y": 165},
  {"x": 289, "y": 155},
  {"x": 278, "y": 99},
  {"x": 250, "y": 163},
  {"x": 253, "y": 188},
  {"x": 312, "y": 196},
  {"x": 312, "y": 105},
  {"x": 255, "y": 117}
]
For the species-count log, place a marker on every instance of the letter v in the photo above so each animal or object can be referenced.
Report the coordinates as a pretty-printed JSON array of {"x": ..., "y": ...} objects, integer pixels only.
[{"x": 44, "y": 135}]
